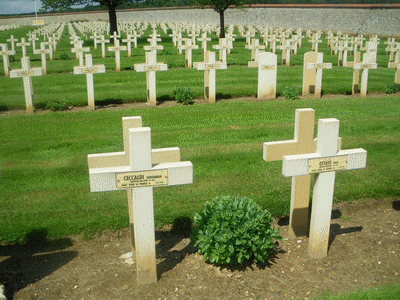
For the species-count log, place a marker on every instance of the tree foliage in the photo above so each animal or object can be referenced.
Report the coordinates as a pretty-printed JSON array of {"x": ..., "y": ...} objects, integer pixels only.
[{"x": 59, "y": 5}]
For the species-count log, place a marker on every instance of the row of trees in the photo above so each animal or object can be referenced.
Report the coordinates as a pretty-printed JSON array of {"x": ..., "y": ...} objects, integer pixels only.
[{"x": 220, "y": 6}]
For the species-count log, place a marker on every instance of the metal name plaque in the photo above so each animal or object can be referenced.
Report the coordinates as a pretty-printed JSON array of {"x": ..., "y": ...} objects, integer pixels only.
[
  {"x": 142, "y": 179},
  {"x": 89, "y": 70},
  {"x": 327, "y": 164},
  {"x": 26, "y": 73},
  {"x": 151, "y": 68}
]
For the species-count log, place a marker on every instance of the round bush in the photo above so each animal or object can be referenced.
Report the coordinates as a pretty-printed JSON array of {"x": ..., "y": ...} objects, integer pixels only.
[{"x": 234, "y": 230}]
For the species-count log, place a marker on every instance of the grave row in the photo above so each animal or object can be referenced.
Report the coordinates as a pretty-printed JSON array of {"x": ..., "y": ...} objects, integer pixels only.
[
  {"x": 266, "y": 62},
  {"x": 139, "y": 168}
]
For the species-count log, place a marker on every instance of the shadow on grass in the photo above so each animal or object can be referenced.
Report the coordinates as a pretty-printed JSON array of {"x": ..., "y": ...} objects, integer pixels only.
[
  {"x": 108, "y": 101},
  {"x": 220, "y": 96},
  {"x": 165, "y": 97},
  {"x": 4, "y": 108},
  {"x": 33, "y": 260},
  {"x": 173, "y": 245}
]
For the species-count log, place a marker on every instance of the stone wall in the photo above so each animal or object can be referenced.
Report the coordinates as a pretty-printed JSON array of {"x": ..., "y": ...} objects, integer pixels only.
[{"x": 381, "y": 20}]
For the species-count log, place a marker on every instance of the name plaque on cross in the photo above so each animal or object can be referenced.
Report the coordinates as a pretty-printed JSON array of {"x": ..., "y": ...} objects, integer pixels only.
[
  {"x": 151, "y": 68},
  {"x": 212, "y": 67},
  {"x": 25, "y": 73},
  {"x": 140, "y": 179},
  {"x": 89, "y": 70},
  {"x": 327, "y": 164}
]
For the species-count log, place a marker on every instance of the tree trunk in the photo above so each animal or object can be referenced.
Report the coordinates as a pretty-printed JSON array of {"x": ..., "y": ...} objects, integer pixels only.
[
  {"x": 222, "y": 24},
  {"x": 112, "y": 15}
]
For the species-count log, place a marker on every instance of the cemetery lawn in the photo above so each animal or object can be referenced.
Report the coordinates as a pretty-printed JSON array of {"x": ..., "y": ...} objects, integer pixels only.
[{"x": 45, "y": 196}]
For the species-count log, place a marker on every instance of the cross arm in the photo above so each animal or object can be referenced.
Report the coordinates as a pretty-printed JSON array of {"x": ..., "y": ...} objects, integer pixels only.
[
  {"x": 119, "y": 159},
  {"x": 302, "y": 164},
  {"x": 105, "y": 179}
]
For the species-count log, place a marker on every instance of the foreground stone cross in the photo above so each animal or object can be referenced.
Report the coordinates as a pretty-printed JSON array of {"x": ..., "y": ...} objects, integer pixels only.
[
  {"x": 209, "y": 66},
  {"x": 6, "y": 61},
  {"x": 150, "y": 67},
  {"x": 138, "y": 169},
  {"x": 324, "y": 162},
  {"x": 26, "y": 72},
  {"x": 89, "y": 70},
  {"x": 303, "y": 142},
  {"x": 312, "y": 73}
]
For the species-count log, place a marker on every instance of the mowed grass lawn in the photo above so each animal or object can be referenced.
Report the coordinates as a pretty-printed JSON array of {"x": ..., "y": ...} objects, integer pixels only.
[
  {"x": 60, "y": 84},
  {"x": 44, "y": 174}
]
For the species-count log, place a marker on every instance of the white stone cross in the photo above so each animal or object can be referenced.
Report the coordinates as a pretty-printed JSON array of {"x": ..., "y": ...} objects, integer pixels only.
[
  {"x": 138, "y": 169},
  {"x": 209, "y": 66},
  {"x": 368, "y": 63},
  {"x": 26, "y": 72},
  {"x": 286, "y": 48},
  {"x": 12, "y": 40},
  {"x": 312, "y": 73},
  {"x": 315, "y": 41},
  {"x": 302, "y": 143},
  {"x": 222, "y": 47},
  {"x": 117, "y": 48},
  {"x": 95, "y": 38},
  {"x": 78, "y": 49},
  {"x": 150, "y": 67},
  {"x": 397, "y": 76},
  {"x": 23, "y": 45},
  {"x": 324, "y": 162},
  {"x": 6, "y": 61},
  {"x": 115, "y": 36},
  {"x": 43, "y": 51},
  {"x": 103, "y": 42},
  {"x": 204, "y": 39},
  {"x": 89, "y": 69},
  {"x": 267, "y": 70},
  {"x": 188, "y": 52},
  {"x": 255, "y": 49},
  {"x": 153, "y": 47},
  {"x": 129, "y": 39}
]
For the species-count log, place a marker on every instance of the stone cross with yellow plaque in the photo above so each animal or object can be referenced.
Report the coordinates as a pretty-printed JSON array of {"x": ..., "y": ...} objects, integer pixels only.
[
  {"x": 26, "y": 72},
  {"x": 209, "y": 66},
  {"x": 302, "y": 143},
  {"x": 89, "y": 70},
  {"x": 138, "y": 169},
  {"x": 150, "y": 67},
  {"x": 326, "y": 160},
  {"x": 312, "y": 73}
]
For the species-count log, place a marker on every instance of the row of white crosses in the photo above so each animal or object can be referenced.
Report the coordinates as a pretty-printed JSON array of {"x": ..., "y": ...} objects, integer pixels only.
[{"x": 139, "y": 168}]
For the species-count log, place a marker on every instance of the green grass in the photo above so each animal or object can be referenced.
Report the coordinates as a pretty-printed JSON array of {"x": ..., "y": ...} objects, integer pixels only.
[
  {"x": 44, "y": 175},
  {"x": 390, "y": 291},
  {"x": 130, "y": 86}
]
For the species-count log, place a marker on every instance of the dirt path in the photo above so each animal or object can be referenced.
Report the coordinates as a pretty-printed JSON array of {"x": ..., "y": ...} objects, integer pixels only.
[
  {"x": 161, "y": 104},
  {"x": 364, "y": 251}
]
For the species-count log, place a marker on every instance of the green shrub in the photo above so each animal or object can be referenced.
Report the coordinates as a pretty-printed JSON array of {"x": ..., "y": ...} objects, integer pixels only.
[
  {"x": 391, "y": 88},
  {"x": 290, "y": 93},
  {"x": 11, "y": 58},
  {"x": 184, "y": 95},
  {"x": 64, "y": 56},
  {"x": 234, "y": 230},
  {"x": 58, "y": 105}
]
